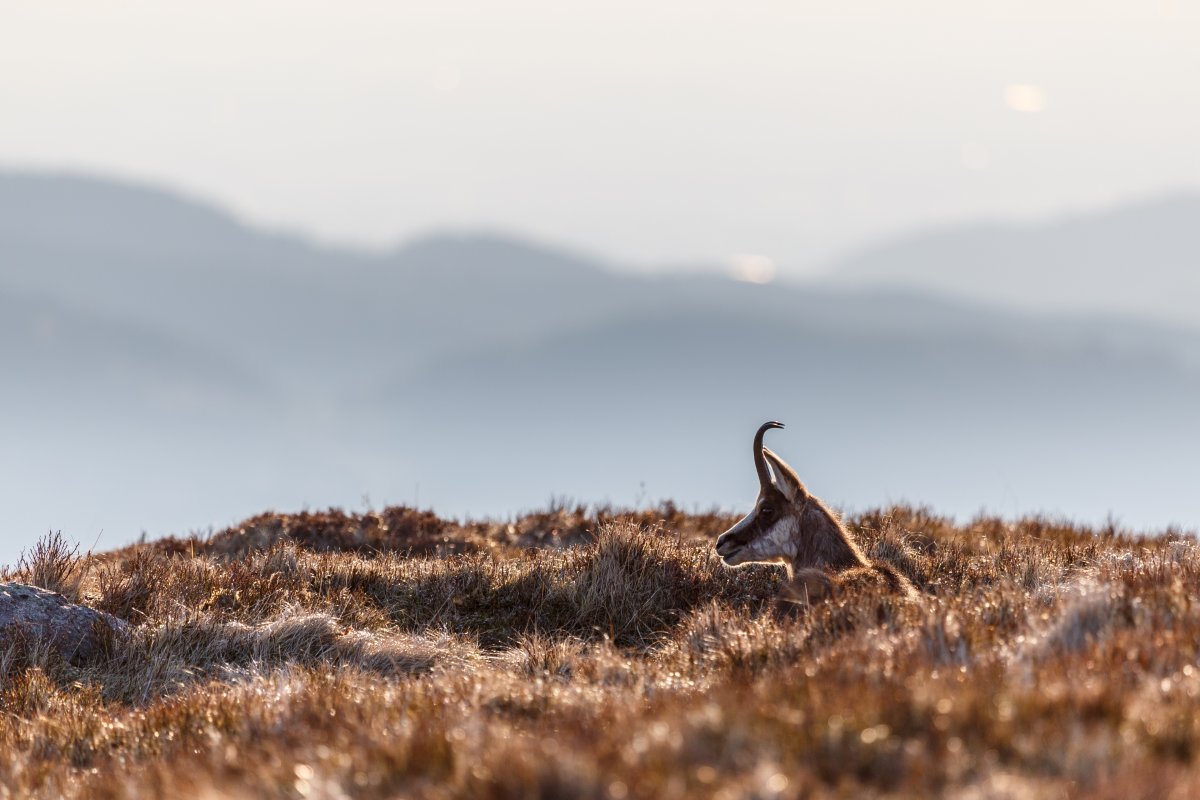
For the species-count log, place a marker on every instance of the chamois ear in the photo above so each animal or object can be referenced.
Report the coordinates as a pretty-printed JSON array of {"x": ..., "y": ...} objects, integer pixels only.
[{"x": 786, "y": 479}]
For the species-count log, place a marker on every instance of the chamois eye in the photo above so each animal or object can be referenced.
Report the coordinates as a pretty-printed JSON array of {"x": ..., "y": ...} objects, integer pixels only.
[{"x": 766, "y": 511}]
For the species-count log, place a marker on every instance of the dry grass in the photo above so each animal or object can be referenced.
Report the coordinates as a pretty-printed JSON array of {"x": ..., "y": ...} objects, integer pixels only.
[{"x": 575, "y": 654}]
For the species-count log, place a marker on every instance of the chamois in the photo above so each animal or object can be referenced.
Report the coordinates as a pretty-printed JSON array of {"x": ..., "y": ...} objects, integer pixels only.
[{"x": 791, "y": 525}]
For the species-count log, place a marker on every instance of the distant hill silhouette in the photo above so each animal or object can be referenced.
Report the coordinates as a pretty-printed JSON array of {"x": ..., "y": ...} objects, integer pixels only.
[
  {"x": 63, "y": 360},
  {"x": 1139, "y": 259},
  {"x": 971, "y": 419},
  {"x": 167, "y": 366}
]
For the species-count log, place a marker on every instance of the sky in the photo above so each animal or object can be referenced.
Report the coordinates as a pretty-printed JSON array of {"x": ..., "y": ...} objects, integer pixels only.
[{"x": 659, "y": 134}]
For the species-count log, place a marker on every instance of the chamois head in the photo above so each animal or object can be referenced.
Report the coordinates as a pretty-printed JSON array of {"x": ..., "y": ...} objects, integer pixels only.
[{"x": 769, "y": 531}]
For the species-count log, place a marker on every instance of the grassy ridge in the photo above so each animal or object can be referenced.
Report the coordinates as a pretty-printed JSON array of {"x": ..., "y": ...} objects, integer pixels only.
[{"x": 601, "y": 654}]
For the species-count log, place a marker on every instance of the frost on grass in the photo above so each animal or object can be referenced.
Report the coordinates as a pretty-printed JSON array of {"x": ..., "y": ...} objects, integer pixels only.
[{"x": 590, "y": 653}]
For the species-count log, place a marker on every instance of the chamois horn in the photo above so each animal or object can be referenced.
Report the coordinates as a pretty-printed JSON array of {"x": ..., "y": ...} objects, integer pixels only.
[{"x": 760, "y": 463}]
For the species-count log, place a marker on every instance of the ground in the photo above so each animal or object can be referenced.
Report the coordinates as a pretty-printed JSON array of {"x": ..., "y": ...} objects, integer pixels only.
[{"x": 590, "y": 653}]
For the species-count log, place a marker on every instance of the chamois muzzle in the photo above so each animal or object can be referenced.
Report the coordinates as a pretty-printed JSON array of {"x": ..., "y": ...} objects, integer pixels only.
[{"x": 728, "y": 542}]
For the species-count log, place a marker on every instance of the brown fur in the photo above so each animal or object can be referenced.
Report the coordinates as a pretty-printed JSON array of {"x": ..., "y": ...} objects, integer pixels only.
[
  {"x": 831, "y": 563},
  {"x": 822, "y": 557},
  {"x": 822, "y": 541}
]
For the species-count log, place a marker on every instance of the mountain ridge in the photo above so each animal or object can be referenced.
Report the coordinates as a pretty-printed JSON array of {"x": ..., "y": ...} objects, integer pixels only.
[
  {"x": 1137, "y": 259},
  {"x": 485, "y": 373}
]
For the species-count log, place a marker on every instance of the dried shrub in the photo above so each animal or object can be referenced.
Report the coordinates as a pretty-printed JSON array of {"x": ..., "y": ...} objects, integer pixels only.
[
  {"x": 54, "y": 564},
  {"x": 600, "y": 653}
]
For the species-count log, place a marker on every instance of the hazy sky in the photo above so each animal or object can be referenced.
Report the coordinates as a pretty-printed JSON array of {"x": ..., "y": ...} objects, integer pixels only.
[{"x": 651, "y": 131}]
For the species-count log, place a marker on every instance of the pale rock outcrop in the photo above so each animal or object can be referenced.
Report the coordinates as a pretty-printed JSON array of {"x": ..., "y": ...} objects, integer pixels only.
[{"x": 37, "y": 616}]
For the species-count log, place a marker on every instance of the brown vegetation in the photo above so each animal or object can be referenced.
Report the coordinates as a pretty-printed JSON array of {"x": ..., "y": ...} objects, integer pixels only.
[{"x": 575, "y": 654}]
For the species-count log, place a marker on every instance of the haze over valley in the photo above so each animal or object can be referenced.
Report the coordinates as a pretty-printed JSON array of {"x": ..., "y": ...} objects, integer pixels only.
[{"x": 168, "y": 368}]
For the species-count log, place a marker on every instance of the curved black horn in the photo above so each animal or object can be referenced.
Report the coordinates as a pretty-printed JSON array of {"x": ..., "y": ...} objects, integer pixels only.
[{"x": 760, "y": 463}]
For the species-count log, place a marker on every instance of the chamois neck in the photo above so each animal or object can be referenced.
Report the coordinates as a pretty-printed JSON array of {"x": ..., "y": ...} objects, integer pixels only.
[{"x": 822, "y": 541}]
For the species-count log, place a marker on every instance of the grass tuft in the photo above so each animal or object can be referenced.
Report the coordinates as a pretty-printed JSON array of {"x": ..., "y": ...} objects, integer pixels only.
[
  {"x": 53, "y": 564},
  {"x": 581, "y": 652}
]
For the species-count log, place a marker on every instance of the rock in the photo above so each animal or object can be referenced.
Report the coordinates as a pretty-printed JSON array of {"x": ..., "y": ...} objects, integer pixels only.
[{"x": 36, "y": 615}]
